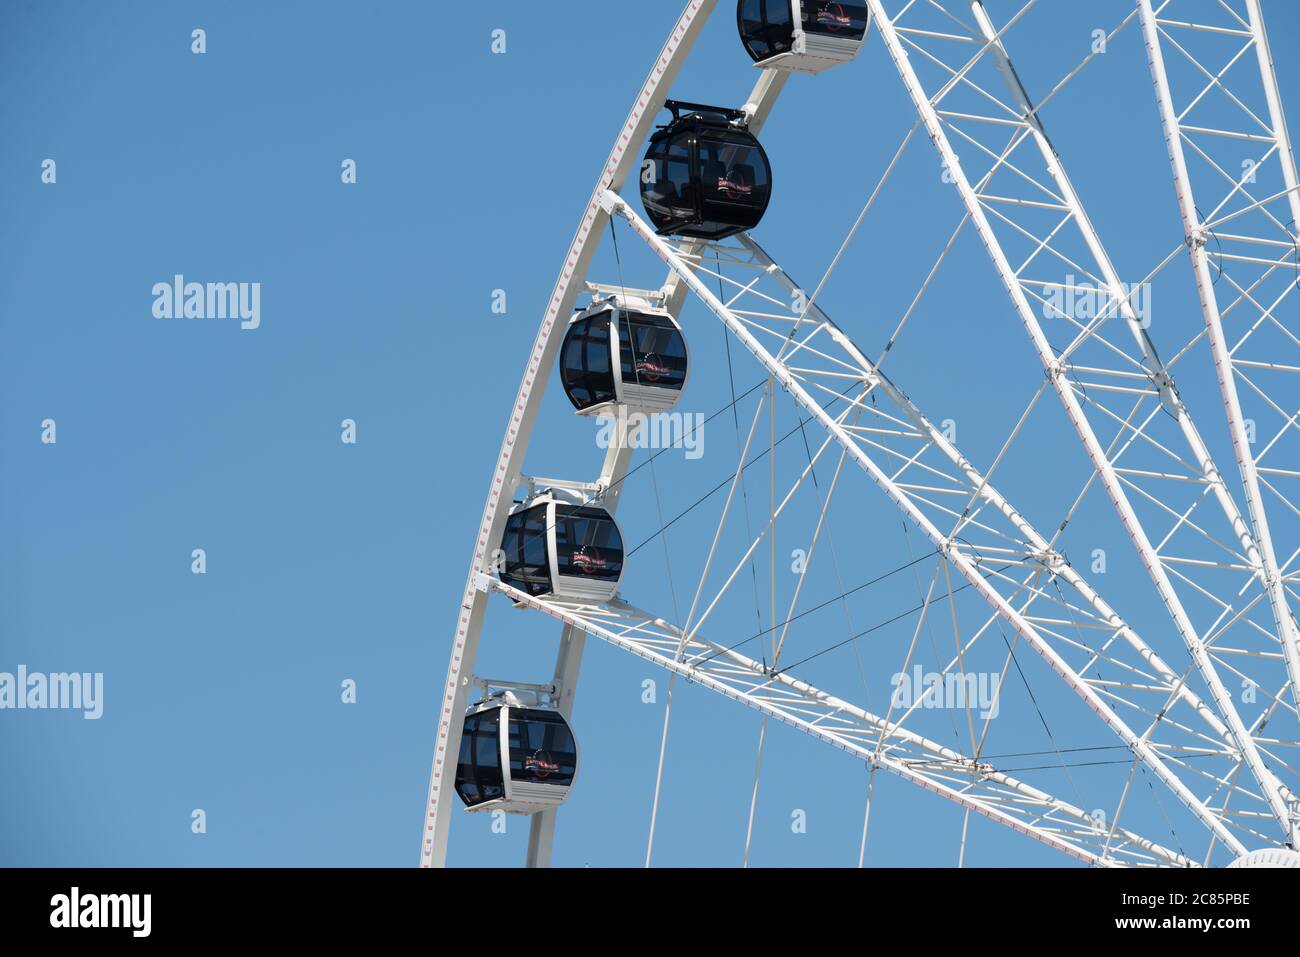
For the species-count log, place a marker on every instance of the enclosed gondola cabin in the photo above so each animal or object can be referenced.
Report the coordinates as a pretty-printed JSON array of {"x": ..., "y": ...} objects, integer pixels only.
[
  {"x": 568, "y": 550},
  {"x": 520, "y": 760},
  {"x": 706, "y": 176},
  {"x": 805, "y": 35},
  {"x": 623, "y": 352}
]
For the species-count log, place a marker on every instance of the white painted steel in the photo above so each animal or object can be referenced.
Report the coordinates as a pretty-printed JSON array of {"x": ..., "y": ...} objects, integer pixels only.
[
  {"x": 945, "y": 544},
  {"x": 922, "y": 762},
  {"x": 916, "y": 467},
  {"x": 1198, "y": 236},
  {"x": 1057, "y": 367}
]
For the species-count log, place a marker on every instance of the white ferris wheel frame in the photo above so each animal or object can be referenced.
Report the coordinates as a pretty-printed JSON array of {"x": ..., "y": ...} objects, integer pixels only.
[{"x": 915, "y": 465}]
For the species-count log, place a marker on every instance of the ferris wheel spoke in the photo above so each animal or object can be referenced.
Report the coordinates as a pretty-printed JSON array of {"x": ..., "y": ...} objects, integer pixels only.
[
  {"x": 978, "y": 486},
  {"x": 1214, "y": 568},
  {"x": 811, "y": 553},
  {"x": 726, "y": 510},
  {"x": 976, "y": 785},
  {"x": 1003, "y": 227},
  {"x": 974, "y": 566},
  {"x": 1262, "y": 206},
  {"x": 764, "y": 532}
]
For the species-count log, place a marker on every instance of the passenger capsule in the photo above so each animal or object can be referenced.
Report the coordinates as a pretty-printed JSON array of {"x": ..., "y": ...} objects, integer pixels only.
[
  {"x": 520, "y": 760},
  {"x": 706, "y": 176},
  {"x": 615, "y": 355},
  {"x": 552, "y": 547},
  {"x": 805, "y": 35}
]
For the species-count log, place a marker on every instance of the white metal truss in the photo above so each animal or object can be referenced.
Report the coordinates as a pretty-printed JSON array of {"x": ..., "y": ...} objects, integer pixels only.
[
  {"x": 1235, "y": 779},
  {"x": 976, "y": 785},
  {"x": 991, "y": 544},
  {"x": 1154, "y": 465},
  {"x": 1240, "y": 229}
]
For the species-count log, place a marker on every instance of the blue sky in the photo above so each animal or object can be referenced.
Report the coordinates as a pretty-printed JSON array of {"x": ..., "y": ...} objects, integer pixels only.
[{"x": 329, "y": 561}]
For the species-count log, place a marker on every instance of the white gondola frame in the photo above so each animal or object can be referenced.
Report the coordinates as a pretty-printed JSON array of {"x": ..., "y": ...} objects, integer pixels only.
[
  {"x": 646, "y": 399},
  {"x": 810, "y": 52},
  {"x": 570, "y": 587},
  {"x": 517, "y": 796}
]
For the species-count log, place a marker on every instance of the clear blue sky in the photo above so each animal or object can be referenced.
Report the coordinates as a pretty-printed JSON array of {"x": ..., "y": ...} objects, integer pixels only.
[{"x": 328, "y": 561}]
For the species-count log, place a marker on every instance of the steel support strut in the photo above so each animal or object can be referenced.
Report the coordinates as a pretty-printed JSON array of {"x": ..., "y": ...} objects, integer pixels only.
[
  {"x": 971, "y": 784},
  {"x": 959, "y": 560},
  {"x": 1057, "y": 373},
  {"x": 1195, "y": 231}
]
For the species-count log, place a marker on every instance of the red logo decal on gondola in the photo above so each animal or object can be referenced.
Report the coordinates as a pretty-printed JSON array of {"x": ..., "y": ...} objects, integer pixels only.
[
  {"x": 733, "y": 185},
  {"x": 540, "y": 763},
  {"x": 588, "y": 560},
  {"x": 832, "y": 15},
  {"x": 650, "y": 368}
]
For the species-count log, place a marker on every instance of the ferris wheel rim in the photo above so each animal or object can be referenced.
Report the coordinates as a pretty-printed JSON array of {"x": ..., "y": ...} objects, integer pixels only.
[{"x": 605, "y": 202}]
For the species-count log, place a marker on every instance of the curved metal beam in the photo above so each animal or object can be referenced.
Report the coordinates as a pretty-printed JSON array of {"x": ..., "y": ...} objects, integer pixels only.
[{"x": 622, "y": 161}]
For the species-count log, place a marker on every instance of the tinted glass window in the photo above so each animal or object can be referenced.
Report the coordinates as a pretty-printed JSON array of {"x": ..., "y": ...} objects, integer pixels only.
[
  {"x": 733, "y": 169},
  {"x": 524, "y": 544},
  {"x": 722, "y": 183},
  {"x": 735, "y": 182},
  {"x": 765, "y": 27},
  {"x": 542, "y": 749},
  {"x": 666, "y": 186},
  {"x": 835, "y": 19},
  {"x": 478, "y": 772},
  {"x": 587, "y": 543},
  {"x": 651, "y": 351},
  {"x": 585, "y": 362}
]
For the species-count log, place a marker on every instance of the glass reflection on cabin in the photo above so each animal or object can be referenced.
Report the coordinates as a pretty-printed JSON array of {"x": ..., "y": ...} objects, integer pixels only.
[
  {"x": 651, "y": 370},
  {"x": 478, "y": 772},
  {"x": 808, "y": 35},
  {"x": 831, "y": 18},
  {"x": 530, "y": 770},
  {"x": 588, "y": 546},
  {"x": 525, "y": 545},
  {"x": 709, "y": 179},
  {"x": 766, "y": 27},
  {"x": 542, "y": 748}
]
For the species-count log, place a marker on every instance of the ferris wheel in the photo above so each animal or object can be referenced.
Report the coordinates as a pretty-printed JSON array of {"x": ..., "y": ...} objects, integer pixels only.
[{"x": 1196, "y": 704}]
